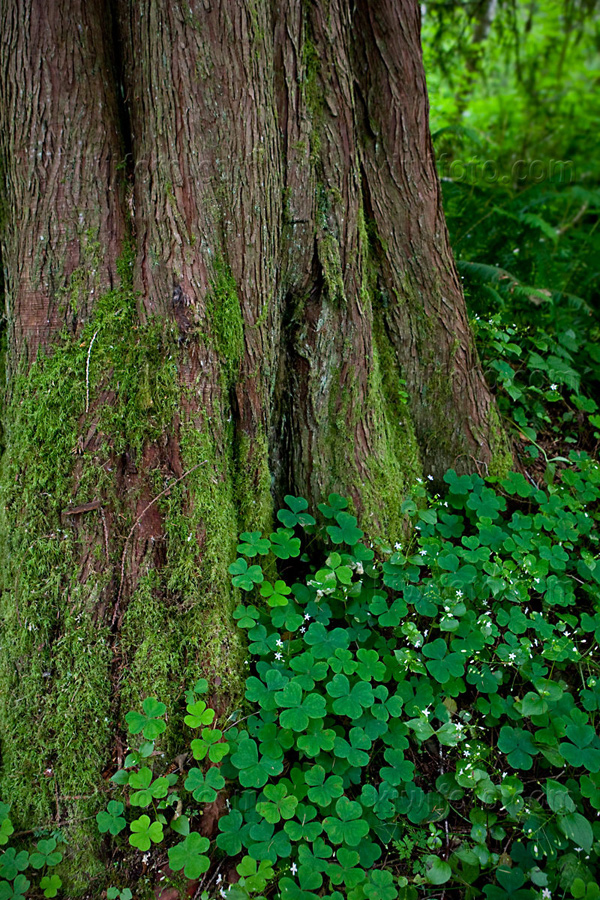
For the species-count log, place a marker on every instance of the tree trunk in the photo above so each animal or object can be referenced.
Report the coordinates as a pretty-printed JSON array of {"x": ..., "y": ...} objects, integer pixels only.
[{"x": 227, "y": 278}]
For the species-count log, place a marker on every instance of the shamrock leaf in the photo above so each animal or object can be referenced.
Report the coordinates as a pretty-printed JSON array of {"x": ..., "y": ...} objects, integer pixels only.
[
  {"x": 305, "y": 829},
  {"x": 11, "y": 863},
  {"x": 345, "y": 532},
  {"x": 347, "y": 827},
  {"x": 198, "y": 714},
  {"x": 210, "y": 743},
  {"x": 253, "y": 543},
  {"x": 284, "y": 544},
  {"x": 324, "y": 643},
  {"x": 298, "y": 710},
  {"x": 6, "y": 826},
  {"x": 323, "y": 790},
  {"x": 347, "y": 871},
  {"x": 254, "y": 772},
  {"x": 189, "y": 856},
  {"x": 112, "y": 820},
  {"x": 380, "y": 885},
  {"x": 145, "y": 791},
  {"x": 280, "y": 805},
  {"x": 247, "y": 616},
  {"x": 316, "y": 738},
  {"x": 275, "y": 595},
  {"x": 518, "y": 745},
  {"x": 254, "y": 876},
  {"x": 204, "y": 787},
  {"x": 148, "y": 722},
  {"x": 244, "y": 576},
  {"x": 50, "y": 885},
  {"x": 230, "y": 839},
  {"x": 45, "y": 854},
  {"x": 334, "y": 505},
  {"x": 16, "y": 890},
  {"x": 295, "y": 515},
  {"x": 143, "y": 831},
  {"x": 349, "y": 701}
]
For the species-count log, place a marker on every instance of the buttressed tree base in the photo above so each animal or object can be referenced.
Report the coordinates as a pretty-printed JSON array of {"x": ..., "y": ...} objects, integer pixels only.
[{"x": 227, "y": 277}]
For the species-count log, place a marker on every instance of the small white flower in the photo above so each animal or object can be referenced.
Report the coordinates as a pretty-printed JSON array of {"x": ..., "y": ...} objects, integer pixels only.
[
  {"x": 302, "y": 630},
  {"x": 423, "y": 552},
  {"x": 397, "y": 546},
  {"x": 219, "y": 878},
  {"x": 223, "y": 892},
  {"x": 459, "y": 593},
  {"x": 279, "y": 642},
  {"x": 546, "y": 894},
  {"x": 278, "y": 656},
  {"x": 553, "y": 387},
  {"x": 430, "y": 477},
  {"x": 306, "y": 617},
  {"x": 512, "y": 656},
  {"x": 145, "y": 858},
  {"x": 293, "y": 868}
]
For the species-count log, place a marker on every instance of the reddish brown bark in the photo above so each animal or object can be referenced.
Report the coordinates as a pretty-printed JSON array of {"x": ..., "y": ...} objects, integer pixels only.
[{"x": 272, "y": 167}]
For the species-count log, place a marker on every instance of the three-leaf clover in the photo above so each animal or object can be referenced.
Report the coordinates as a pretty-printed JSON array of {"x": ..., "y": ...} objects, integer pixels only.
[
  {"x": 11, "y": 863},
  {"x": 284, "y": 544},
  {"x": 149, "y": 722},
  {"x": 278, "y": 805},
  {"x": 254, "y": 772},
  {"x": 204, "y": 786},
  {"x": 189, "y": 856},
  {"x": 297, "y": 710},
  {"x": 45, "y": 854},
  {"x": 296, "y": 514},
  {"x": 347, "y": 827},
  {"x": 112, "y": 819},
  {"x": 143, "y": 831},
  {"x": 323, "y": 790},
  {"x": 245, "y": 576},
  {"x": 145, "y": 789},
  {"x": 210, "y": 743},
  {"x": 50, "y": 884},
  {"x": 346, "y": 531},
  {"x": 16, "y": 890},
  {"x": 198, "y": 714},
  {"x": 253, "y": 543}
]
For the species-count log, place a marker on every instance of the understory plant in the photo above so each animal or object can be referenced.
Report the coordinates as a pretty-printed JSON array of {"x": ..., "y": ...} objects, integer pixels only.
[{"x": 421, "y": 718}]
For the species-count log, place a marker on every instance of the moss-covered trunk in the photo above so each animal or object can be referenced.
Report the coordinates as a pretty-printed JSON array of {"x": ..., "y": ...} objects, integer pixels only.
[{"x": 227, "y": 277}]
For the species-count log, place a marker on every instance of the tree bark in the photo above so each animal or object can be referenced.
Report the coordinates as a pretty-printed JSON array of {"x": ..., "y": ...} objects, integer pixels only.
[{"x": 227, "y": 278}]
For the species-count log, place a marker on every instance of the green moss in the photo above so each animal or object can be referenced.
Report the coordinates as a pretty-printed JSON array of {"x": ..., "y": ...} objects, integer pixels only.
[
  {"x": 60, "y": 662},
  {"x": 329, "y": 256},
  {"x": 225, "y": 315},
  {"x": 501, "y": 462}
]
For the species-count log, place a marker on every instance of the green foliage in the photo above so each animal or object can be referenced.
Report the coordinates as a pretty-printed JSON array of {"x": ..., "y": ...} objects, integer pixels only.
[{"x": 419, "y": 718}]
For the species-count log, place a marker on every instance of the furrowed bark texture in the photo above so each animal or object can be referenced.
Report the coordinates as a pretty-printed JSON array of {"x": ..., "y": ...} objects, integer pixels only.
[{"x": 227, "y": 278}]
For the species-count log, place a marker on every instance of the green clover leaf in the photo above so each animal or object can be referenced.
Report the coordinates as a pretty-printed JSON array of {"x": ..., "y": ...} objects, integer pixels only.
[
  {"x": 279, "y": 805},
  {"x": 210, "y": 743},
  {"x": 316, "y": 738},
  {"x": 253, "y": 543},
  {"x": 275, "y": 595},
  {"x": 518, "y": 745},
  {"x": 143, "y": 832},
  {"x": 380, "y": 885},
  {"x": 346, "y": 871},
  {"x": 295, "y": 515},
  {"x": 16, "y": 890},
  {"x": 303, "y": 828},
  {"x": 244, "y": 576},
  {"x": 198, "y": 714},
  {"x": 347, "y": 827},
  {"x": 254, "y": 772},
  {"x": 112, "y": 820},
  {"x": 345, "y": 532},
  {"x": 298, "y": 710},
  {"x": 284, "y": 544},
  {"x": 189, "y": 856},
  {"x": 334, "y": 505},
  {"x": 349, "y": 701},
  {"x": 146, "y": 791},
  {"x": 50, "y": 885},
  {"x": 247, "y": 616},
  {"x": 11, "y": 863},
  {"x": 323, "y": 790},
  {"x": 148, "y": 722},
  {"x": 229, "y": 840},
  {"x": 45, "y": 854},
  {"x": 204, "y": 786}
]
